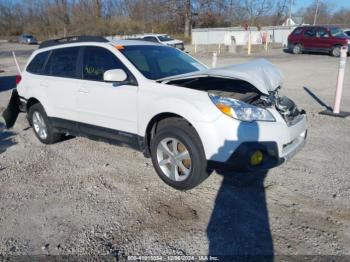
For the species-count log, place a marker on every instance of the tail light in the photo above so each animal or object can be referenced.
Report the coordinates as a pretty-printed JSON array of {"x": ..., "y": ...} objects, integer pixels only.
[{"x": 18, "y": 79}]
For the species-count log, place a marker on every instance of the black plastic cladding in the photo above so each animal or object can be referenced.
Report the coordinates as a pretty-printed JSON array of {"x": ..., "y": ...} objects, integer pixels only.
[{"x": 72, "y": 39}]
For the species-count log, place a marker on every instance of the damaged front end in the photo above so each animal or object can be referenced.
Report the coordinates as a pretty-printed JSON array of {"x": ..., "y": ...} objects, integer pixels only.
[
  {"x": 233, "y": 92},
  {"x": 12, "y": 110},
  {"x": 250, "y": 87},
  {"x": 284, "y": 106}
]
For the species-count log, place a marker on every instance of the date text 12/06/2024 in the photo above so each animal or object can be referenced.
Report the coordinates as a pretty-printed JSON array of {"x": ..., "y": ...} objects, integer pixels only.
[{"x": 172, "y": 258}]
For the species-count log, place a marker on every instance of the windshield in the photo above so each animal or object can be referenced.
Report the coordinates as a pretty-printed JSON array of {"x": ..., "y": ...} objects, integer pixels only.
[
  {"x": 156, "y": 62},
  {"x": 337, "y": 32},
  {"x": 164, "y": 38}
]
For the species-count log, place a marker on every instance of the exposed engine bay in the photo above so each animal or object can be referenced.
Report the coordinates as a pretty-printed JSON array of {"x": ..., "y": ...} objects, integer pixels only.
[{"x": 245, "y": 92}]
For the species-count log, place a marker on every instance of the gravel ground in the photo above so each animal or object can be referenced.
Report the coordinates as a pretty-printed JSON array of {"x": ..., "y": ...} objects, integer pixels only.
[{"x": 87, "y": 198}]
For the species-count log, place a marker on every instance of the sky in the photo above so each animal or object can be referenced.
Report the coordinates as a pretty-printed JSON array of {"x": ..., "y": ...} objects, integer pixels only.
[{"x": 336, "y": 3}]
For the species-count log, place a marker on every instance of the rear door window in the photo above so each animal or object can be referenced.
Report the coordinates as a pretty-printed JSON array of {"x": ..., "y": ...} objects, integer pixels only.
[
  {"x": 98, "y": 60},
  {"x": 37, "y": 64},
  {"x": 310, "y": 32},
  {"x": 63, "y": 63}
]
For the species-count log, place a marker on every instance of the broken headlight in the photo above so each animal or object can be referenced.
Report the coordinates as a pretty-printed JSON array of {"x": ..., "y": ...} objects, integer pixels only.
[{"x": 240, "y": 110}]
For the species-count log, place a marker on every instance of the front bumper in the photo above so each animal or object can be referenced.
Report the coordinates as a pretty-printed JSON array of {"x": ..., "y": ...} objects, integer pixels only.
[
  {"x": 240, "y": 159},
  {"x": 229, "y": 142}
]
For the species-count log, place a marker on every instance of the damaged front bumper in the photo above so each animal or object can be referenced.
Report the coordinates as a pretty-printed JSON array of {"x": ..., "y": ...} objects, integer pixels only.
[
  {"x": 236, "y": 142},
  {"x": 240, "y": 160}
]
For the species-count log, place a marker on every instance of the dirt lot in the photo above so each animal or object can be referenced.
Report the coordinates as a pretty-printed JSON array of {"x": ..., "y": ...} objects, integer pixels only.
[{"x": 87, "y": 197}]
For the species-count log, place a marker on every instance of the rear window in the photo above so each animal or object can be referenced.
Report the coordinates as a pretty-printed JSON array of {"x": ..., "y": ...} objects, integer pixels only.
[
  {"x": 164, "y": 38},
  {"x": 37, "y": 64},
  {"x": 297, "y": 31},
  {"x": 150, "y": 39},
  {"x": 310, "y": 32},
  {"x": 63, "y": 63}
]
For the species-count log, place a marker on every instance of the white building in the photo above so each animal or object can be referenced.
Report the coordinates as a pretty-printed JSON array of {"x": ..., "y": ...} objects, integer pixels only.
[{"x": 239, "y": 36}]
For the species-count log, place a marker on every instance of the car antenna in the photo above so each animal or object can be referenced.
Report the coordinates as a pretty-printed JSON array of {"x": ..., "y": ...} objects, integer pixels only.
[{"x": 16, "y": 62}]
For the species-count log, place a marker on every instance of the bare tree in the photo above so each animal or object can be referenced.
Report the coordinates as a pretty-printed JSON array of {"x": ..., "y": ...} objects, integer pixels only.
[
  {"x": 324, "y": 13},
  {"x": 256, "y": 8}
]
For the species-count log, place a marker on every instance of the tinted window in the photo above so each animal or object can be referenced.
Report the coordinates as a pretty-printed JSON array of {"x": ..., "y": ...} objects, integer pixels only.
[
  {"x": 164, "y": 38},
  {"x": 150, "y": 39},
  {"x": 63, "y": 62},
  {"x": 337, "y": 32},
  {"x": 297, "y": 31},
  {"x": 98, "y": 60},
  {"x": 310, "y": 32},
  {"x": 156, "y": 62},
  {"x": 321, "y": 32},
  {"x": 37, "y": 64}
]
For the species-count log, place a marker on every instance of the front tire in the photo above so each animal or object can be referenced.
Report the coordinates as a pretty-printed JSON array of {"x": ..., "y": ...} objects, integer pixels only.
[
  {"x": 41, "y": 125},
  {"x": 177, "y": 155}
]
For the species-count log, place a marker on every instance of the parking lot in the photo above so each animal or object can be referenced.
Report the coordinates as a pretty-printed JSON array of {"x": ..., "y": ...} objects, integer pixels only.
[{"x": 86, "y": 197}]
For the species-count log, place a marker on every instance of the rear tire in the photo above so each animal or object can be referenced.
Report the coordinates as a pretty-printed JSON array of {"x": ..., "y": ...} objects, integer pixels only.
[
  {"x": 297, "y": 49},
  {"x": 177, "y": 154},
  {"x": 42, "y": 126}
]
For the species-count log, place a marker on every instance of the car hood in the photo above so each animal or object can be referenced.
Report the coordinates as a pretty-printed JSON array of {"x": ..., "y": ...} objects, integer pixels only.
[{"x": 260, "y": 73}]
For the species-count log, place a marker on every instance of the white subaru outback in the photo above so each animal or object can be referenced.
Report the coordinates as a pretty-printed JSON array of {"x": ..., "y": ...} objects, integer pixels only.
[{"x": 189, "y": 119}]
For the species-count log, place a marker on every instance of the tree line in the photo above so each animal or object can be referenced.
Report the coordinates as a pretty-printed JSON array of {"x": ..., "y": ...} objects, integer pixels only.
[{"x": 57, "y": 18}]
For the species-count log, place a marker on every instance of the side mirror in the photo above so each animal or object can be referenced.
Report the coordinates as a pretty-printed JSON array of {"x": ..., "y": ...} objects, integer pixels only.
[{"x": 115, "y": 75}]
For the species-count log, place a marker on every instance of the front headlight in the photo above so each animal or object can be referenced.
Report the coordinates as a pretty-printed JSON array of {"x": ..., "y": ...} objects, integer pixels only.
[{"x": 240, "y": 110}]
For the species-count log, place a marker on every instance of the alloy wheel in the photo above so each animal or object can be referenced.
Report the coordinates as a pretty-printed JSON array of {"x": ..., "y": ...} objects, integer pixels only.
[
  {"x": 39, "y": 125},
  {"x": 174, "y": 159}
]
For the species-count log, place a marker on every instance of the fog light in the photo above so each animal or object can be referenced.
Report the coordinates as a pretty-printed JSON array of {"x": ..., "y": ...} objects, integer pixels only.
[{"x": 256, "y": 158}]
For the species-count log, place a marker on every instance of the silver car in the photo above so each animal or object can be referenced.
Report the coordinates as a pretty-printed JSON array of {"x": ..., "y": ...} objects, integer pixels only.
[{"x": 27, "y": 39}]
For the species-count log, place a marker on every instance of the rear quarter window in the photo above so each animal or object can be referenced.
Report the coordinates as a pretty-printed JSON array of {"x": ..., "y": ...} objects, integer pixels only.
[
  {"x": 297, "y": 31},
  {"x": 37, "y": 63}
]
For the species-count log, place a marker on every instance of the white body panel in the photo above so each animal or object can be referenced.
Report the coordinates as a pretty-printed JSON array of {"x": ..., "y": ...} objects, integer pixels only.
[
  {"x": 106, "y": 105},
  {"x": 131, "y": 108}
]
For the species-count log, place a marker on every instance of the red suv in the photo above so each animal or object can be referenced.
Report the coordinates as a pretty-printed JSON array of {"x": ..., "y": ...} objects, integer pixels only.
[{"x": 326, "y": 39}]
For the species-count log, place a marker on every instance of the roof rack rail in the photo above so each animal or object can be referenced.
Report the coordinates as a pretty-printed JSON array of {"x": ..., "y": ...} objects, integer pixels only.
[{"x": 72, "y": 39}]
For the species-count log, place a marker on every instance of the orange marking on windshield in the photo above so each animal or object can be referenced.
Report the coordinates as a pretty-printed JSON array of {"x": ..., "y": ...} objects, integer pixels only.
[{"x": 119, "y": 47}]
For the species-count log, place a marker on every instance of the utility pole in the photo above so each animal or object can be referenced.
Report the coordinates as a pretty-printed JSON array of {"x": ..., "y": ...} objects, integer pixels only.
[
  {"x": 316, "y": 13},
  {"x": 290, "y": 12},
  {"x": 188, "y": 18}
]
